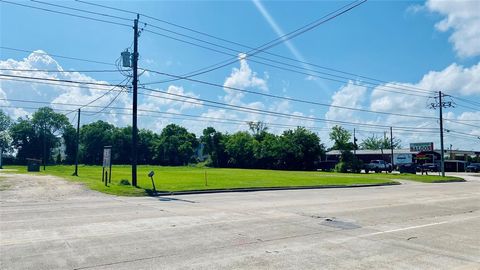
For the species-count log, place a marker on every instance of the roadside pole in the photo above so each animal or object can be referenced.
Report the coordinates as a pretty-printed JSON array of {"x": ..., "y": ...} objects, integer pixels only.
[
  {"x": 391, "y": 147},
  {"x": 134, "y": 103},
  {"x": 442, "y": 161},
  {"x": 77, "y": 146}
]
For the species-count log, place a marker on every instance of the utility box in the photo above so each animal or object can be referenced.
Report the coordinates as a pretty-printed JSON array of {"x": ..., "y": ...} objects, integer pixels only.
[{"x": 33, "y": 165}]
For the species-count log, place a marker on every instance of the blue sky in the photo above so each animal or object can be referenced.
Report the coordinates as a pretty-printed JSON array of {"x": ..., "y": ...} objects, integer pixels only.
[{"x": 425, "y": 45}]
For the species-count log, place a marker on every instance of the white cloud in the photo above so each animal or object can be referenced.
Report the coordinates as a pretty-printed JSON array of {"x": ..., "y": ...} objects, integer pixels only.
[
  {"x": 352, "y": 95},
  {"x": 242, "y": 78},
  {"x": 454, "y": 79},
  {"x": 463, "y": 18},
  {"x": 80, "y": 94}
]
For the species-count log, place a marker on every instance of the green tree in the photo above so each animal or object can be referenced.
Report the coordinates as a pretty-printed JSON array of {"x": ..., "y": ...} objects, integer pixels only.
[
  {"x": 374, "y": 143},
  {"x": 267, "y": 151},
  {"x": 239, "y": 147},
  {"x": 301, "y": 149},
  {"x": 258, "y": 129},
  {"x": 213, "y": 142},
  {"x": 145, "y": 150},
  {"x": 69, "y": 137},
  {"x": 93, "y": 138},
  {"x": 122, "y": 145},
  {"x": 5, "y": 138},
  {"x": 341, "y": 139},
  {"x": 43, "y": 131},
  {"x": 175, "y": 146}
]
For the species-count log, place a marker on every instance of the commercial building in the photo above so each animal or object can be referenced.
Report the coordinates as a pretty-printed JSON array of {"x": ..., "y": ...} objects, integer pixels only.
[{"x": 455, "y": 160}]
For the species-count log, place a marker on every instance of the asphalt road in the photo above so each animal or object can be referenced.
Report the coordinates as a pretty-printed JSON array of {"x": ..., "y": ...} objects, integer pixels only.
[{"x": 46, "y": 223}]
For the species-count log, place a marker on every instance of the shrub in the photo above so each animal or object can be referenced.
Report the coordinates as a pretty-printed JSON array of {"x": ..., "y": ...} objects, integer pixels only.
[
  {"x": 341, "y": 167},
  {"x": 124, "y": 182}
]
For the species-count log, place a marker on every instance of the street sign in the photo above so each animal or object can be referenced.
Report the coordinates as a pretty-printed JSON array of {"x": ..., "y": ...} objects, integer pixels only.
[
  {"x": 107, "y": 156},
  {"x": 107, "y": 165},
  {"x": 421, "y": 147}
]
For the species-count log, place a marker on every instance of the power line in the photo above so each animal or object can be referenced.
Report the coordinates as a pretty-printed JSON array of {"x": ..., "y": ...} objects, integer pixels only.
[
  {"x": 461, "y": 123},
  {"x": 286, "y": 98},
  {"x": 346, "y": 79},
  {"x": 466, "y": 107},
  {"x": 402, "y": 131},
  {"x": 240, "y": 44},
  {"x": 66, "y": 13},
  {"x": 216, "y": 104},
  {"x": 55, "y": 80},
  {"x": 57, "y": 56},
  {"x": 251, "y": 92},
  {"x": 221, "y": 105},
  {"x": 466, "y": 100},
  {"x": 54, "y": 84},
  {"x": 61, "y": 71},
  {"x": 171, "y": 113},
  {"x": 278, "y": 40},
  {"x": 384, "y": 86},
  {"x": 82, "y": 10},
  {"x": 106, "y": 93}
]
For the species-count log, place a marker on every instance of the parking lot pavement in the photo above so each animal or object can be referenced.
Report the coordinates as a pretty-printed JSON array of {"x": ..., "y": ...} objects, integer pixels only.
[{"x": 47, "y": 223}]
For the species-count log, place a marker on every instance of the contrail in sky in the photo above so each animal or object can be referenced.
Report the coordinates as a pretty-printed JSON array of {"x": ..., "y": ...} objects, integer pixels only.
[{"x": 279, "y": 31}]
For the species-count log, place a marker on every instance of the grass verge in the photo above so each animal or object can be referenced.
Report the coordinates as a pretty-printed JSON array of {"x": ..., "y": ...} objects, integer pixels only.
[{"x": 172, "y": 179}]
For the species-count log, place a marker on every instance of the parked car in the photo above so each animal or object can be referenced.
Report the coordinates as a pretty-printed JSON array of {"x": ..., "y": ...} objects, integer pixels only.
[
  {"x": 474, "y": 167},
  {"x": 428, "y": 167},
  {"x": 378, "y": 166},
  {"x": 408, "y": 168}
]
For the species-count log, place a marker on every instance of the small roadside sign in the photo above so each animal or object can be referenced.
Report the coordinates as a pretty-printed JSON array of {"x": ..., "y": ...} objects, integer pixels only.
[{"x": 107, "y": 165}]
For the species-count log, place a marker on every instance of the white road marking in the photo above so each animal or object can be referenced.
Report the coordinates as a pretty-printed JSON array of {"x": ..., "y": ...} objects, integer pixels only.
[{"x": 416, "y": 227}]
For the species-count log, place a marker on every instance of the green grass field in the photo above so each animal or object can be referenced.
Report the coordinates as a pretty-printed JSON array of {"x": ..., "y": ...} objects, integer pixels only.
[{"x": 193, "y": 178}]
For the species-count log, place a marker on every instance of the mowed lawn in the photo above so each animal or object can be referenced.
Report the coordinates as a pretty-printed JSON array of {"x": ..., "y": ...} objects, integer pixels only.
[{"x": 200, "y": 178}]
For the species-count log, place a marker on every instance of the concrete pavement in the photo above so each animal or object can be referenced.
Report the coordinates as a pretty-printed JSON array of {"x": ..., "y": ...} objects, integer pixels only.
[{"x": 47, "y": 223}]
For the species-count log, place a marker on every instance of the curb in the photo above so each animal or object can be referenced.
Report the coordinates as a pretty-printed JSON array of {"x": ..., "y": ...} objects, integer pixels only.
[{"x": 254, "y": 189}]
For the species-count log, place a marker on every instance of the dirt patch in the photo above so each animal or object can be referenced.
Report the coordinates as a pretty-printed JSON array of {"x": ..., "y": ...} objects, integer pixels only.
[{"x": 25, "y": 187}]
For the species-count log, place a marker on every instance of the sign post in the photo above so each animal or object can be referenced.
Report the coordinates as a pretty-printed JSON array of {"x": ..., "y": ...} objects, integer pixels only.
[{"x": 107, "y": 165}]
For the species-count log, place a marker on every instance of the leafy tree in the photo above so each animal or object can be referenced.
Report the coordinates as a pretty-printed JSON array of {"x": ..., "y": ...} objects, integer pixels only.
[
  {"x": 93, "y": 138},
  {"x": 122, "y": 145},
  {"x": 43, "y": 130},
  {"x": 239, "y": 147},
  {"x": 175, "y": 146},
  {"x": 301, "y": 149},
  {"x": 69, "y": 137},
  {"x": 5, "y": 138},
  {"x": 213, "y": 142},
  {"x": 145, "y": 151},
  {"x": 374, "y": 143},
  {"x": 258, "y": 129},
  {"x": 341, "y": 139},
  {"x": 267, "y": 151},
  {"x": 349, "y": 163}
]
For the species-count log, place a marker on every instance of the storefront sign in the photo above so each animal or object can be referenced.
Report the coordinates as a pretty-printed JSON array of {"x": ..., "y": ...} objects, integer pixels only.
[{"x": 421, "y": 147}]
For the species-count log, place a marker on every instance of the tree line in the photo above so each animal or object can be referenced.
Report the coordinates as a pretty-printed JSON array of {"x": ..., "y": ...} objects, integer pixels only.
[{"x": 49, "y": 132}]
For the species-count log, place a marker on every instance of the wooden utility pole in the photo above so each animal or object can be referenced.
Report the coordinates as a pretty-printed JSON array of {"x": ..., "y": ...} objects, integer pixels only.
[
  {"x": 134, "y": 105},
  {"x": 78, "y": 143},
  {"x": 442, "y": 160},
  {"x": 391, "y": 146},
  {"x": 441, "y": 104}
]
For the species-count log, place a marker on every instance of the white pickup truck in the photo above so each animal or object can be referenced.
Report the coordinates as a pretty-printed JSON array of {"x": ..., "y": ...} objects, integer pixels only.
[{"x": 378, "y": 166}]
